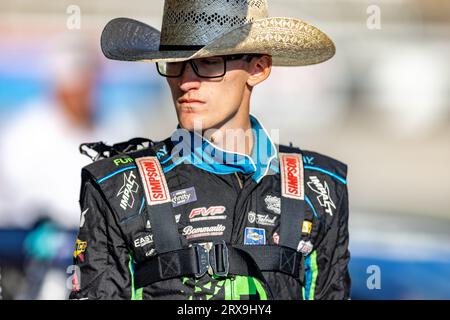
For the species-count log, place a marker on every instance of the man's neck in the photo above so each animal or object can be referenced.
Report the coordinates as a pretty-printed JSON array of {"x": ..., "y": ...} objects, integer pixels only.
[{"x": 235, "y": 135}]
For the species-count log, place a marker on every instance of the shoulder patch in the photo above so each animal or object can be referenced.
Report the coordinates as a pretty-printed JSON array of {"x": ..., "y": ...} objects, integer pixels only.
[
  {"x": 103, "y": 169},
  {"x": 313, "y": 161},
  {"x": 111, "y": 160},
  {"x": 324, "y": 179},
  {"x": 316, "y": 162}
]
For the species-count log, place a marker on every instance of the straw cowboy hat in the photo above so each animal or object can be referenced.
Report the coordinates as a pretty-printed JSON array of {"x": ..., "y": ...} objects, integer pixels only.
[{"x": 193, "y": 29}]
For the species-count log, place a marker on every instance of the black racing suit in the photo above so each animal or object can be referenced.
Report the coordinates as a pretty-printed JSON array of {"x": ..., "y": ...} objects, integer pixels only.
[{"x": 227, "y": 201}]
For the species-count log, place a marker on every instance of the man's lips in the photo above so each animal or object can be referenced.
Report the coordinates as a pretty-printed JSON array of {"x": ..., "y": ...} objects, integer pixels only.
[{"x": 186, "y": 101}]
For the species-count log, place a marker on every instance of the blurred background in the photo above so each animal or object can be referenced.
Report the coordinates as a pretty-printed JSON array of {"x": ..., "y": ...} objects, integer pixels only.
[{"x": 381, "y": 105}]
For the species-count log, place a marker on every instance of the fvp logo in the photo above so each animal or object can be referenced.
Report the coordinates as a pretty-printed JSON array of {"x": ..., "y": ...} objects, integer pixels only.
[{"x": 205, "y": 212}]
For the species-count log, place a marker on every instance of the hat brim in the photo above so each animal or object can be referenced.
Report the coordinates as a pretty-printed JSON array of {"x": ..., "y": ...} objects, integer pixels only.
[{"x": 290, "y": 42}]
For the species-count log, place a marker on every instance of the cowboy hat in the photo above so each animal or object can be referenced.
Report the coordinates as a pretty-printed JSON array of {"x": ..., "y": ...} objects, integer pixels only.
[{"x": 193, "y": 29}]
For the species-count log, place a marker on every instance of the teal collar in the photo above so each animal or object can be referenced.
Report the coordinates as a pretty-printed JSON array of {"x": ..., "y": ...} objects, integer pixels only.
[{"x": 211, "y": 158}]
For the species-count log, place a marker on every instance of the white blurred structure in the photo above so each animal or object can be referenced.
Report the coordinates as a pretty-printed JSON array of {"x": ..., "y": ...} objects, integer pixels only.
[{"x": 410, "y": 86}]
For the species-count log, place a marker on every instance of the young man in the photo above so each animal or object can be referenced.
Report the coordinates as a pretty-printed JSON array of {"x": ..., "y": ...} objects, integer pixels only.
[{"x": 217, "y": 210}]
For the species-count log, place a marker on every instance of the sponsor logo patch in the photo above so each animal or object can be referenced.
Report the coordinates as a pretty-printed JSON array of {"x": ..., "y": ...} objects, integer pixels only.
[
  {"x": 306, "y": 227},
  {"x": 143, "y": 241},
  {"x": 273, "y": 204},
  {"x": 251, "y": 217},
  {"x": 323, "y": 192},
  {"x": 127, "y": 191},
  {"x": 276, "y": 238},
  {"x": 122, "y": 161},
  {"x": 291, "y": 167},
  {"x": 305, "y": 247},
  {"x": 211, "y": 213},
  {"x": 83, "y": 218},
  {"x": 254, "y": 236},
  {"x": 150, "y": 253},
  {"x": 184, "y": 196},
  {"x": 155, "y": 185},
  {"x": 261, "y": 219},
  {"x": 80, "y": 248},
  {"x": 190, "y": 232}
]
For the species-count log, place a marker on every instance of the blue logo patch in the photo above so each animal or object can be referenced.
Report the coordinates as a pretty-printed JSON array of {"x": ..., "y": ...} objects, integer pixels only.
[{"x": 255, "y": 236}]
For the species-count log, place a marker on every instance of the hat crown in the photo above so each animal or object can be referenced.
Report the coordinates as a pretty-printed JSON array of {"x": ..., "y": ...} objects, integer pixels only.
[{"x": 196, "y": 23}]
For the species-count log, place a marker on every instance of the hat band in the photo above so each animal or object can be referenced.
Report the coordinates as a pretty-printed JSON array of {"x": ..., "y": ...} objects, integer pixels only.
[{"x": 179, "y": 48}]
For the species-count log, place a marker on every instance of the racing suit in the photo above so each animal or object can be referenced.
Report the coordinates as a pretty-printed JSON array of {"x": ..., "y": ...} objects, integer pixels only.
[{"x": 236, "y": 199}]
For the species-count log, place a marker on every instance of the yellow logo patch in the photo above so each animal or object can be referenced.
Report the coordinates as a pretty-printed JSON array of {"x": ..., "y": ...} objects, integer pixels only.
[
  {"x": 307, "y": 227},
  {"x": 80, "y": 247}
]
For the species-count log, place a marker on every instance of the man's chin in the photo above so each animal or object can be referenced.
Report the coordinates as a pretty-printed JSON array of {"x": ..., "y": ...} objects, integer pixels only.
[{"x": 194, "y": 123}]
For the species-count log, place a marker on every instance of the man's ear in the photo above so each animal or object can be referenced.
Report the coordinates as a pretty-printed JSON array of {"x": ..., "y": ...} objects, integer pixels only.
[{"x": 260, "y": 68}]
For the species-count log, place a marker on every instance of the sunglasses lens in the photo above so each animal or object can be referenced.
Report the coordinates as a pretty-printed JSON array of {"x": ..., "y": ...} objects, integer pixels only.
[
  {"x": 210, "y": 67},
  {"x": 170, "y": 69}
]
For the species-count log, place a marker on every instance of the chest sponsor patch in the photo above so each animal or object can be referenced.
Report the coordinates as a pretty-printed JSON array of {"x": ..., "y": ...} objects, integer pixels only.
[
  {"x": 291, "y": 169},
  {"x": 155, "y": 185},
  {"x": 211, "y": 213},
  {"x": 143, "y": 241},
  {"x": 128, "y": 190},
  {"x": 261, "y": 219},
  {"x": 305, "y": 247},
  {"x": 273, "y": 204},
  {"x": 323, "y": 192},
  {"x": 184, "y": 196},
  {"x": 254, "y": 236},
  {"x": 276, "y": 238},
  {"x": 191, "y": 233}
]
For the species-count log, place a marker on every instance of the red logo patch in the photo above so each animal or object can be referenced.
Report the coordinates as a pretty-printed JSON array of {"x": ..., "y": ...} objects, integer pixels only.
[
  {"x": 155, "y": 185},
  {"x": 291, "y": 166}
]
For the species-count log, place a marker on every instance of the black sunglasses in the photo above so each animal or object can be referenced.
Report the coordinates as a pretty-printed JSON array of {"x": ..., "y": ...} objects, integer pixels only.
[{"x": 211, "y": 67}]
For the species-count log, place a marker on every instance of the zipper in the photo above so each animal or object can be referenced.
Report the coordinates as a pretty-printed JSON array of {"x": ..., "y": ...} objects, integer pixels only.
[{"x": 239, "y": 180}]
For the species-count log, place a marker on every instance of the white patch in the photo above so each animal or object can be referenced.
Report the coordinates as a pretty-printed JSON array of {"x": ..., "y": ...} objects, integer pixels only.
[
  {"x": 305, "y": 247},
  {"x": 323, "y": 192},
  {"x": 83, "y": 218},
  {"x": 251, "y": 217},
  {"x": 190, "y": 232},
  {"x": 129, "y": 188},
  {"x": 143, "y": 241},
  {"x": 273, "y": 204},
  {"x": 261, "y": 219}
]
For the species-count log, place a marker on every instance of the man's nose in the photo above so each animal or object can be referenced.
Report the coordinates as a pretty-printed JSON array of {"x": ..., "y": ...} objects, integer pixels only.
[{"x": 189, "y": 79}]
